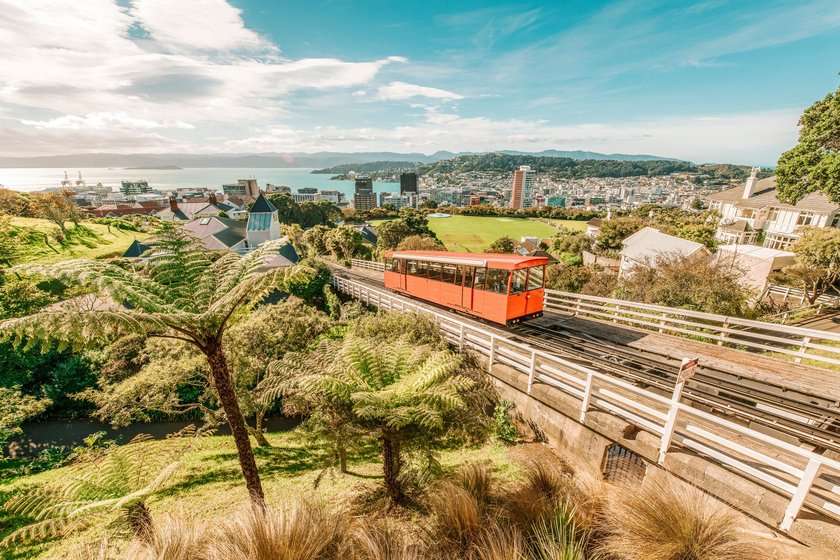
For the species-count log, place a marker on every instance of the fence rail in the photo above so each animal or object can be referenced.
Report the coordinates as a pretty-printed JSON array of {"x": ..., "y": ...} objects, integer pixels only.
[
  {"x": 795, "y": 343},
  {"x": 808, "y": 479},
  {"x": 369, "y": 265},
  {"x": 788, "y": 292}
]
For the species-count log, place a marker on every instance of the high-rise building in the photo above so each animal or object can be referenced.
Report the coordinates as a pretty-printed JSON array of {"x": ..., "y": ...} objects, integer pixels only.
[
  {"x": 364, "y": 197},
  {"x": 522, "y": 193},
  {"x": 243, "y": 187},
  {"x": 134, "y": 187},
  {"x": 408, "y": 183}
]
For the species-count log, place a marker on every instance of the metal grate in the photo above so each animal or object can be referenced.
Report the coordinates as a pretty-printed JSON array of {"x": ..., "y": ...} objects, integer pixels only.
[{"x": 622, "y": 466}]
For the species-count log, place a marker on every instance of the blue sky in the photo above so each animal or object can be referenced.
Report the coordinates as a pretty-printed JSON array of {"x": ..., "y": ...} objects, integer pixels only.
[{"x": 707, "y": 80}]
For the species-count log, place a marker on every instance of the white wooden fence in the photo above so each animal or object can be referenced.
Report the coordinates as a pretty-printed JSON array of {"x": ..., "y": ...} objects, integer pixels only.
[
  {"x": 788, "y": 292},
  {"x": 369, "y": 265},
  {"x": 809, "y": 480},
  {"x": 796, "y": 343}
]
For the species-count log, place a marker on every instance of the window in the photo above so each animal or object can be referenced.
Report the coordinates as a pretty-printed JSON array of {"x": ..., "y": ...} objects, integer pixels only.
[
  {"x": 434, "y": 271},
  {"x": 399, "y": 266},
  {"x": 836, "y": 221},
  {"x": 204, "y": 221},
  {"x": 447, "y": 273},
  {"x": 389, "y": 264},
  {"x": 746, "y": 213},
  {"x": 497, "y": 280},
  {"x": 464, "y": 276},
  {"x": 480, "y": 278},
  {"x": 773, "y": 215},
  {"x": 423, "y": 269},
  {"x": 535, "y": 277},
  {"x": 805, "y": 218},
  {"x": 518, "y": 284},
  {"x": 411, "y": 268},
  {"x": 622, "y": 466}
]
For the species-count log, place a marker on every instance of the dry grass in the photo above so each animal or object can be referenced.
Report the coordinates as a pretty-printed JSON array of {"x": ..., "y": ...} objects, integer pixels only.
[
  {"x": 380, "y": 540},
  {"x": 500, "y": 542},
  {"x": 559, "y": 538},
  {"x": 543, "y": 489},
  {"x": 297, "y": 531},
  {"x": 458, "y": 519},
  {"x": 173, "y": 538},
  {"x": 666, "y": 520}
]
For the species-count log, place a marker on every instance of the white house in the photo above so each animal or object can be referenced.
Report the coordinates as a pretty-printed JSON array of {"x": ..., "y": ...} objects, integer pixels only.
[
  {"x": 747, "y": 211},
  {"x": 263, "y": 222},
  {"x": 755, "y": 263},
  {"x": 648, "y": 244}
]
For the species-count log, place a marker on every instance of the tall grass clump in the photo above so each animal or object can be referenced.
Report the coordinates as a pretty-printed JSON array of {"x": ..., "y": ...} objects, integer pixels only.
[
  {"x": 667, "y": 520},
  {"x": 542, "y": 490},
  {"x": 297, "y": 531},
  {"x": 379, "y": 540},
  {"x": 558, "y": 537}
]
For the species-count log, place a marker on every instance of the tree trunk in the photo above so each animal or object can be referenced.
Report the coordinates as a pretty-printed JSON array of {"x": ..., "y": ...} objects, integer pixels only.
[
  {"x": 391, "y": 465},
  {"x": 258, "y": 432},
  {"x": 140, "y": 520},
  {"x": 227, "y": 397},
  {"x": 342, "y": 455}
]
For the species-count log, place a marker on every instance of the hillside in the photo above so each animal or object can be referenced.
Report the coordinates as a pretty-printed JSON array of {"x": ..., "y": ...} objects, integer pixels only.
[
  {"x": 369, "y": 167},
  {"x": 89, "y": 240}
]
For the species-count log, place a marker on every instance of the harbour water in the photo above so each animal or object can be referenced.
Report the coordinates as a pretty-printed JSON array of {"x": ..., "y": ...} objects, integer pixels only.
[{"x": 33, "y": 179}]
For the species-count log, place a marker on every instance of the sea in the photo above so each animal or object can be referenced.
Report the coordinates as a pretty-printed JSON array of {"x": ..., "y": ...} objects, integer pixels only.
[{"x": 34, "y": 179}]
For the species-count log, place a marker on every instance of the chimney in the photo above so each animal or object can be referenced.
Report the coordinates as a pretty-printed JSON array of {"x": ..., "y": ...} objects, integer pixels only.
[
  {"x": 173, "y": 204},
  {"x": 749, "y": 187},
  {"x": 212, "y": 198},
  {"x": 609, "y": 214}
]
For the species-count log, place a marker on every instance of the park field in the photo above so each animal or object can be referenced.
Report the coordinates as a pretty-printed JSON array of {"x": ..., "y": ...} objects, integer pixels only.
[{"x": 475, "y": 233}]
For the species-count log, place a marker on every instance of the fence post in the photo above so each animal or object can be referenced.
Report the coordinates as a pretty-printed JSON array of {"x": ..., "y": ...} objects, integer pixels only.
[
  {"x": 662, "y": 322},
  {"x": 461, "y": 338},
  {"x": 533, "y": 370},
  {"x": 492, "y": 353},
  {"x": 803, "y": 349},
  {"x": 587, "y": 396},
  {"x": 687, "y": 369},
  {"x": 808, "y": 476},
  {"x": 723, "y": 333}
]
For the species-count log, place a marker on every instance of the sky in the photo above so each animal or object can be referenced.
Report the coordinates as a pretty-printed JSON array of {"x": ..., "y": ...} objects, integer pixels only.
[{"x": 706, "y": 81}]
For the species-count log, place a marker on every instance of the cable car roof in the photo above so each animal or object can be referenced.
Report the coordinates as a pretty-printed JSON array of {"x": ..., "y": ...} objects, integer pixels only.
[{"x": 492, "y": 260}]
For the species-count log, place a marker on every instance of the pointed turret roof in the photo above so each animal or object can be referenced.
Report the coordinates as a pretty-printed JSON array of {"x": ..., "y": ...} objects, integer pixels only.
[
  {"x": 135, "y": 250},
  {"x": 262, "y": 204}
]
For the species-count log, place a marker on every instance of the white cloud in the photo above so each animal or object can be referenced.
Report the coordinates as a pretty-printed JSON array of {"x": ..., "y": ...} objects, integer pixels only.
[
  {"x": 104, "y": 121},
  {"x": 198, "y": 24},
  {"x": 402, "y": 90}
]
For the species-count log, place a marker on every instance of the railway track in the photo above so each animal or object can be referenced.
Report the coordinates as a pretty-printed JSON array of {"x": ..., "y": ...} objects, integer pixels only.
[{"x": 806, "y": 418}]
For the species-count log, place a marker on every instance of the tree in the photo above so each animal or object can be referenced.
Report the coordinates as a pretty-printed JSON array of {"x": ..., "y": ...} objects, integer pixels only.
[
  {"x": 813, "y": 165},
  {"x": 504, "y": 244},
  {"x": 420, "y": 243},
  {"x": 267, "y": 335},
  {"x": 404, "y": 395},
  {"x": 390, "y": 234},
  {"x": 344, "y": 242},
  {"x": 54, "y": 207},
  {"x": 12, "y": 203},
  {"x": 179, "y": 296},
  {"x": 615, "y": 231},
  {"x": 691, "y": 283},
  {"x": 817, "y": 266},
  {"x": 315, "y": 274},
  {"x": 294, "y": 233},
  {"x": 15, "y": 408},
  {"x": 314, "y": 241}
]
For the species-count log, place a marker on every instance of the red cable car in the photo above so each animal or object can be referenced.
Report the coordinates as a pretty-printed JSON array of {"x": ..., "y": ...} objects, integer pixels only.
[{"x": 502, "y": 288}]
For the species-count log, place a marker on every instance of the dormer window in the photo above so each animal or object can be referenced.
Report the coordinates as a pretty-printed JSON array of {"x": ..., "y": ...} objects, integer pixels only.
[
  {"x": 773, "y": 214},
  {"x": 746, "y": 213}
]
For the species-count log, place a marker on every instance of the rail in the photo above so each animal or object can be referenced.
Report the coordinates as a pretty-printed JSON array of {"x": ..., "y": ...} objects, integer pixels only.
[
  {"x": 795, "y": 343},
  {"x": 788, "y": 292},
  {"x": 808, "y": 479}
]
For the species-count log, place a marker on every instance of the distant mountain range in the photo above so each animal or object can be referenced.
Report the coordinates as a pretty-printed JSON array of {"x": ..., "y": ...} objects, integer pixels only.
[{"x": 264, "y": 160}]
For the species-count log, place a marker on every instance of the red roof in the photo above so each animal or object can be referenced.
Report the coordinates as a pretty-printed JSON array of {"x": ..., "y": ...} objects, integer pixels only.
[{"x": 492, "y": 260}]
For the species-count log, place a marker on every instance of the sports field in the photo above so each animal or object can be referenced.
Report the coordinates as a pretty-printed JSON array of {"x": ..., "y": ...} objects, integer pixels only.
[{"x": 475, "y": 233}]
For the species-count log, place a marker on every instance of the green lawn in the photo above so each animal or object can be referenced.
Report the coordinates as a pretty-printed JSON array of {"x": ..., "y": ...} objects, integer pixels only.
[
  {"x": 91, "y": 241},
  {"x": 209, "y": 484},
  {"x": 475, "y": 233}
]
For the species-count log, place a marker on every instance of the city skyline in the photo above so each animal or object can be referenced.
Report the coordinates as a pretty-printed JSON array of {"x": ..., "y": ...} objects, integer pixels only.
[{"x": 702, "y": 81}]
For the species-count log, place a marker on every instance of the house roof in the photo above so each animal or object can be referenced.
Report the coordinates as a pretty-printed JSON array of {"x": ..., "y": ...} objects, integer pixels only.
[
  {"x": 595, "y": 222},
  {"x": 765, "y": 195},
  {"x": 135, "y": 250},
  {"x": 262, "y": 204},
  {"x": 649, "y": 243},
  {"x": 368, "y": 233},
  {"x": 755, "y": 251},
  {"x": 739, "y": 226},
  {"x": 217, "y": 233},
  {"x": 286, "y": 256}
]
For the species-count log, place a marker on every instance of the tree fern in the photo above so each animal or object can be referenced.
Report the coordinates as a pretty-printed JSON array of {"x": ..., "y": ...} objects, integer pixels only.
[
  {"x": 179, "y": 295},
  {"x": 403, "y": 394}
]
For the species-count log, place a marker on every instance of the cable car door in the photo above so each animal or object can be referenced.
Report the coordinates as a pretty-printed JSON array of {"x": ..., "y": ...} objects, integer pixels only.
[
  {"x": 402, "y": 269},
  {"x": 465, "y": 277}
]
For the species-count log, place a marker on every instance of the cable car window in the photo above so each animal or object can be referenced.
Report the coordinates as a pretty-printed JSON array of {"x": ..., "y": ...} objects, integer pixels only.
[
  {"x": 399, "y": 266},
  {"x": 411, "y": 268},
  {"x": 422, "y": 269},
  {"x": 434, "y": 271},
  {"x": 535, "y": 277},
  {"x": 464, "y": 276},
  {"x": 518, "y": 285},
  {"x": 389, "y": 264},
  {"x": 497, "y": 280},
  {"x": 480, "y": 277},
  {"x": 448, "y": 273}
]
